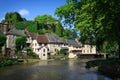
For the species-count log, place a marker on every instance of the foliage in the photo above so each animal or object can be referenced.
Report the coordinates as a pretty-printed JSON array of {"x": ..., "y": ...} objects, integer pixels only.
[
  {"x": 59, "y": 29},
  {"x": 97, "y": 20},
  {"x": 8, "y": 62},
  {"x": 48, "y": 24},
  {"x": 109, "y": 67},
  {"x": 2, "y": 39},
  {"x": 30, "y": 52},
  {"x": 32, "y": 28},
  {"x": 13, "y": 17},
  {"x": 20, "y": 42},
  {"x": 44, "y": 19},
  {"x": 63, "y": 51},
  {"x": 69, "y": 34}
]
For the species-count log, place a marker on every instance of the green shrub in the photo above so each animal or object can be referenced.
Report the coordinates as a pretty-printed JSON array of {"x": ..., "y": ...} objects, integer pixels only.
[{"x": 8, "y": 62}]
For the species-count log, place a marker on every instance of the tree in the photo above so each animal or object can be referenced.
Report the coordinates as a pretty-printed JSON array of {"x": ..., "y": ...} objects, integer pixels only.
[
  {"x": 43, "y": 19},
  {"x": 2, "y": 41},
  {"x": 97, "y": 20},
  {"x": 48, "y": 24},
  {"x": 67, "y": 34},
  {"x": 20, "y": 42},
  {"x": 13, "y": 17}
]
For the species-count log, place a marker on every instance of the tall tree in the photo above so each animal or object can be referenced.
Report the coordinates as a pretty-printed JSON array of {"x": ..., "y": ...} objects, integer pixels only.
[{"x": 96, "y": 19}]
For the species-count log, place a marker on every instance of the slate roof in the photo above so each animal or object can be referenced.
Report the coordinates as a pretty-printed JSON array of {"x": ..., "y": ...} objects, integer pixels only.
[
  {"x": 73, "y": 43},
  {"x": 16, "y": 32},
  {"x": 53, "y": 38}
]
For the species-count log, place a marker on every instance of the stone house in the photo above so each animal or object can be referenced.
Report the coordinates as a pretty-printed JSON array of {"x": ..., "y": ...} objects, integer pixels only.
[
  {"x": 10, "y": 42},
  {"x": 5, "y": 27},
  {"x": 11, "y": 36}
]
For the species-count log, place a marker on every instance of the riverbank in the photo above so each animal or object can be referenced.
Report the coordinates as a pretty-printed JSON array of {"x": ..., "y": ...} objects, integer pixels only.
[
  {"x": 109, "y": 67},
  {"x": 10, "y": 62},
  {"x": 24, "y": 61}
]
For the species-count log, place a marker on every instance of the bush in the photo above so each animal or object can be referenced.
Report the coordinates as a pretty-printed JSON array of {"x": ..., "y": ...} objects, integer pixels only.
[
  {"x": 63, "y": 51},
  {"x": 8, "y": 62},
  {"x": 109, "y": 67}
]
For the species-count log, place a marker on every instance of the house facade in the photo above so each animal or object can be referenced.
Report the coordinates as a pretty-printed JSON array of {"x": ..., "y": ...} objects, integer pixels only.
[
  {"x": 12, "y": 35},
  {"x": 48, "y": 44},
  {"x": 74, "y": 48},
  {"x": 88, "y": 49}
]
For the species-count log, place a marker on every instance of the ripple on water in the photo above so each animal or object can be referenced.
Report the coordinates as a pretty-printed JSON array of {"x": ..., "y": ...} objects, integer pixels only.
[{"x": 51, "y": 70}]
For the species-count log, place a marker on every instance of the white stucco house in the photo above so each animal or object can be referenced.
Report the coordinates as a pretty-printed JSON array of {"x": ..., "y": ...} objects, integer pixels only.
[
  {"x": 88, "y": 49},
  {"x": 47, "y": 44},
  {"x": 74, "y": 48}
]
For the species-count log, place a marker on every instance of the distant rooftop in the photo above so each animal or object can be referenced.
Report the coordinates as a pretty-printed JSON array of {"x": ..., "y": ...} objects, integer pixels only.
[{"x": 16, "y": 32}]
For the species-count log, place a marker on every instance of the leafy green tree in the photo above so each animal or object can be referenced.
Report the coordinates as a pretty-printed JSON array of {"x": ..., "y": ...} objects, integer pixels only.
[
  {"x": 20, "y": 42},
  {"x": 46, "y": 23},
  {"x": 59, "y": 29},
  {"x": 2, "y": 41},
  {"x": 67, "y": 34},
  {"x": 13, "y": 17},
  {"x": 44, "y": 19},
  {"x": 97, "y": 20}
]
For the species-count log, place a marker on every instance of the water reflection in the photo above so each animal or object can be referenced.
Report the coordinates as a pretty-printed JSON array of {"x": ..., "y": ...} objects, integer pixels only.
[{"x": 51, "y": 70}]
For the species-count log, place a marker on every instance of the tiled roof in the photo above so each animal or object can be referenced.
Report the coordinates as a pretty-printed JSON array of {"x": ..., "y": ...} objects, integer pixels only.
[
  {"x": 29, "y": 34},
  {"x": 16, "y": 32},
  {"x": 42, "y": 39}
]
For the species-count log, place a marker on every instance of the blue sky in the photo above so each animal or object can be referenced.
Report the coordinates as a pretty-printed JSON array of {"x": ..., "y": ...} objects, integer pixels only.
[{"x": 29, "y": 9}]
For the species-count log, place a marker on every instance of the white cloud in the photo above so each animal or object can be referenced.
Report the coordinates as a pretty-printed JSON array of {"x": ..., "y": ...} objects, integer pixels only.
[
  {"x": 24, "y": 12},
  {"x": 1, "y": 19}
]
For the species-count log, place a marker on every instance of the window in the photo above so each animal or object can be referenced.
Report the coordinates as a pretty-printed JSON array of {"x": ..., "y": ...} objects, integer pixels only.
[
  {"x": 43, "y": 50},
  {"x": 43, "y": 54},
  {"x": 55, "y": 50}
]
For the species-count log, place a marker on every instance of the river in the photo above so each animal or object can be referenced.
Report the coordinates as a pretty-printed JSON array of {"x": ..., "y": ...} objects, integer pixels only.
[{"x": 51, "y": 70}]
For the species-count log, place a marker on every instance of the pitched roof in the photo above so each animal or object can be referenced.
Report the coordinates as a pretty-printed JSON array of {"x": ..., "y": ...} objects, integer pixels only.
[
  {"x": 16, "y": 32},
  {"x": 42, "y": 39},
  {"x": 29, "y": 34},
  {"x": 73, "y": 43},
  {"x": 53, "y": 38}
]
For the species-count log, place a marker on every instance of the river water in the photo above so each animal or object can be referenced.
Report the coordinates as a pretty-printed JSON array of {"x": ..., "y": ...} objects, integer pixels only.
[{"x": 51, "y": 70}]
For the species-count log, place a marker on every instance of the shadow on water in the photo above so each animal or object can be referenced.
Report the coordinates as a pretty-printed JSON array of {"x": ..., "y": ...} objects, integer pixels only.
[{"x": 51, "y": 70}]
